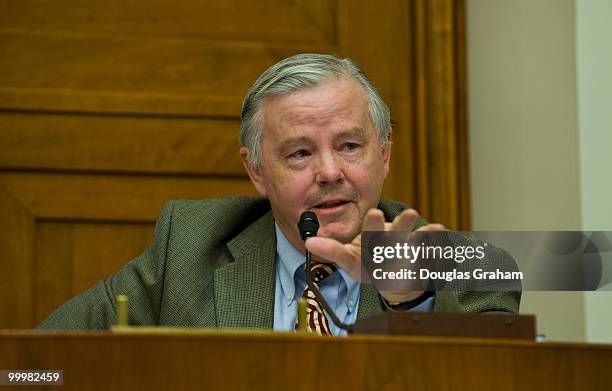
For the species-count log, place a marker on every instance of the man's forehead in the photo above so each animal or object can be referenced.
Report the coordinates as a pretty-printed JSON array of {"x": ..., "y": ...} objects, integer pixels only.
[
  {"x": 341, "y": 94},
  {"x": 340, "y": 106}
]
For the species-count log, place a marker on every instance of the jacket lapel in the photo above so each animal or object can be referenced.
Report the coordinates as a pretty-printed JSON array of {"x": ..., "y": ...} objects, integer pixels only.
[
  {"x": 244, "y": 288},
  {"x": 369, "y": 302},
  {"x": 446, "y": 301}
]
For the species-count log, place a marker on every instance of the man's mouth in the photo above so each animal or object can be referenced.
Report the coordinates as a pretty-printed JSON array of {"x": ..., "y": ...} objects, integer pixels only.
[{"x": 330, "y": 204}]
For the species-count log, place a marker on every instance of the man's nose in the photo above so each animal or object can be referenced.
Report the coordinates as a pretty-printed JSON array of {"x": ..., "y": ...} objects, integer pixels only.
[{"x": 329, "y": 170}]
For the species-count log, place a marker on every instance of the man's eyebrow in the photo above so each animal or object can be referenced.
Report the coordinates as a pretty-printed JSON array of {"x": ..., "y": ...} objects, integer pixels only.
[
  {"x": 352, "y": 132},
  {"x": 294, "y": 141},
  {"x": 291, "y": 142}
]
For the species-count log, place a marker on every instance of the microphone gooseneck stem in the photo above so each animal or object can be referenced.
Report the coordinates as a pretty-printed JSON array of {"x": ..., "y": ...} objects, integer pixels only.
[{"x": 308, "y": 268}]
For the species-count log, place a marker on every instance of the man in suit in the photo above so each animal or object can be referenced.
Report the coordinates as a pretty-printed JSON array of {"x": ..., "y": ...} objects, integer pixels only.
[{"x": 315, "y": 136}]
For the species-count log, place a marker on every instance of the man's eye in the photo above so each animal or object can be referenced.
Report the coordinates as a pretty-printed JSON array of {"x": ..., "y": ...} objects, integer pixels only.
[
  {"x": 302, "y": 153},
  {"x": 350, "y": 146}
]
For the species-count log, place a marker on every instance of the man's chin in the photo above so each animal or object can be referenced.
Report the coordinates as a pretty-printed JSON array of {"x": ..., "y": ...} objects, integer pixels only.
[{"x": 339, "y": 231}]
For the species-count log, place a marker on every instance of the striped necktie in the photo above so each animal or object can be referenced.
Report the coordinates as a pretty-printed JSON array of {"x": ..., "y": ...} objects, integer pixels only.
[{"x": 316, "y": 319}]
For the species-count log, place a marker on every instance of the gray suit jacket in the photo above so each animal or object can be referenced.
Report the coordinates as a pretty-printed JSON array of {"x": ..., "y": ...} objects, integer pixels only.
[{"x": 213, "y": 265}]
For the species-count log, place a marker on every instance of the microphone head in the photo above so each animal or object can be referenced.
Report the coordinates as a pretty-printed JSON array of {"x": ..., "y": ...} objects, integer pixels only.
[{"x": 308, "y": 225}]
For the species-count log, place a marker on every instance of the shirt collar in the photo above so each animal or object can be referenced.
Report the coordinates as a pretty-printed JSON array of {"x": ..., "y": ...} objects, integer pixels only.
[{"x": 290, "y": 261}]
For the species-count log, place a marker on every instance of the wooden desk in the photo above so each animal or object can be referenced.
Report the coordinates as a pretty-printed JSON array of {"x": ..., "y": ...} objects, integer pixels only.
[{"x": 207, "y": 360}]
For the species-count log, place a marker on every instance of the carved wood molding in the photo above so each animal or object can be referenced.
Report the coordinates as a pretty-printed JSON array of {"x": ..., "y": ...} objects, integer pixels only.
[{"x": 440, "y": 112}]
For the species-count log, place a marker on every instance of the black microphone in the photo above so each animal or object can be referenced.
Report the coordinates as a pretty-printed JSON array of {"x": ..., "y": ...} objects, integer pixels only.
[{"x": 309, "y": 226}]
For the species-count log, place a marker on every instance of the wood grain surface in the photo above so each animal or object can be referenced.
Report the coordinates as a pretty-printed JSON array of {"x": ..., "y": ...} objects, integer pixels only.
[{"x": 196, "y": 360}]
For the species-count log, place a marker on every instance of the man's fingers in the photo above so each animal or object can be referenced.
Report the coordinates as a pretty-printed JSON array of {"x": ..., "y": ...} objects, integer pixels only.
[
  {"x": 432, "y": 228},
  {"x": 374, "y": 220},
  {"x": 405, "y": 221},
  {"x": 331, "y": 250}
]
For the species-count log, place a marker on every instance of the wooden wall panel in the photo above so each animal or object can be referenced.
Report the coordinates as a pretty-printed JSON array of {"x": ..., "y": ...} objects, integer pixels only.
[
  {"x": 103, "y": 143},
  {"x": 75, "y": 73},
  {"x": 17, "y": 241},
  {"x": 71, "y": 257},
  {"x": 110, "y": 197},
  {"x": 110, "y": 108},
  {"x": 264, "y": 20}
]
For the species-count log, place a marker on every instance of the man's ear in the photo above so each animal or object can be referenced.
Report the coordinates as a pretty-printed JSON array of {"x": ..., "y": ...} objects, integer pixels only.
[
  {"x": 254, "y": 172},
  {"x": 386, "y": 153}
]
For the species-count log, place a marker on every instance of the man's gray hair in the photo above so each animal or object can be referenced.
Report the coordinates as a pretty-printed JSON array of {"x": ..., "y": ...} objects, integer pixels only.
[{"x": 299, "y": 72}]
